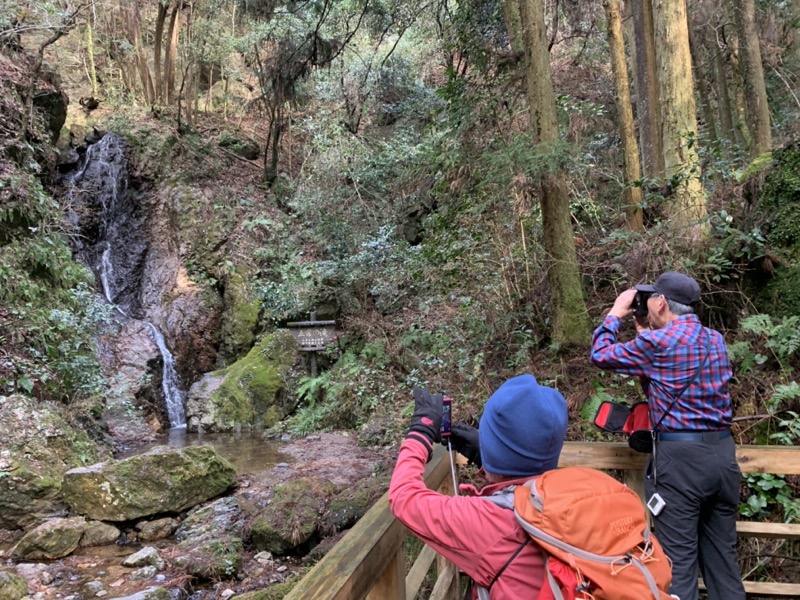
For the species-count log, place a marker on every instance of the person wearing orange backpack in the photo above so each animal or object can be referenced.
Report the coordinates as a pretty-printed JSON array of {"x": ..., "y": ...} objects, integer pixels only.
[
  {"x": 520, "y": 437},
  {"x": 692, "y": 479}
]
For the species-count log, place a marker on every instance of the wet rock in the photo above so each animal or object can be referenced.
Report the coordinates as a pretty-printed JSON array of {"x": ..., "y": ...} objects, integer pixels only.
[
  {"x": 151, "y": 593},
  {"x": 55, "y": 538},
  {"x": 293, "y": 516},
  {"x": 147, "y": 556},
  {"x": 12, "y": 587},
  {"x": 150, "y": 531},
  {"x": 221, "y": 518},
  {"x": 91, "y": 588},
  {"x": 159, "y": 481},
  {"x": 98, "y": 533},
  {"x": 38, "y": 445},
  {"x": 143, "y": 573},
  {"x": 253, "y": 392}
]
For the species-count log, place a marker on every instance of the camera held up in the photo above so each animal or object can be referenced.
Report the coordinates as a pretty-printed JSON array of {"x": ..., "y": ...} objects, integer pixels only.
[{"x": 639, "y": 304}]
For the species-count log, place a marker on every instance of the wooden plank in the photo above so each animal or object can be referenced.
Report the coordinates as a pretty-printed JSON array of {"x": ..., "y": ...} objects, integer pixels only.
[
  {"x": 443, "y": 589},
  {"x": 756, "y": 589},
  {"x": 762, "y": 588},
  {"x": 392, "y": 583},
  {"x": 348, "y": 571},
  {"x": 783, "y": 460},
  {"x": 768, "y": 530},
  {"x": 416, "y": 575}
]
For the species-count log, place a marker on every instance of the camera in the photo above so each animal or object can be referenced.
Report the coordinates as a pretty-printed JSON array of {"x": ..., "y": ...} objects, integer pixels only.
[
  {"x": 639, "y": 304},
  {"x": 447, "y": 410}
]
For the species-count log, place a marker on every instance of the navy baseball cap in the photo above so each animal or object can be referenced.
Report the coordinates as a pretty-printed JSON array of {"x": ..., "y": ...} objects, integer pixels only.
[{"x": 675, "y": 286}]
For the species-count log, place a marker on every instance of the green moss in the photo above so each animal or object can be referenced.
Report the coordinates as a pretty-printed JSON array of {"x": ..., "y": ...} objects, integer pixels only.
[
  {"x": 758, "y": 165},
  {"x": 240, "y": 317},
  {"x": 273, "y": 592},
  {"x": 253, "y": 383}
]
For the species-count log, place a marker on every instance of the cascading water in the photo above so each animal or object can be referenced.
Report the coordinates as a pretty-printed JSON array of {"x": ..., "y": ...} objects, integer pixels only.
[{"x": 115, "y": 259}]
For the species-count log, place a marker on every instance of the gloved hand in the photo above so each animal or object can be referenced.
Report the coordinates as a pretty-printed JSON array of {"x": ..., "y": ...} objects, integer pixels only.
[
  {"x": 427, "y": 420},
  {"x": 465, "y": 439}
]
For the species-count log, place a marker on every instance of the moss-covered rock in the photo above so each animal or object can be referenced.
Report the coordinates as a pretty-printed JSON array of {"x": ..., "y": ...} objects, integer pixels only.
[
  {"x": 349, "y": 505},
  {"x": 98, "y": 533},
  {"x": 163, "y": 480},
  {"x": 55, "y": 538},
  {"x": 273, "y": 592},
  {"x": 214, "y": 559},
  {"x": 240, "y": 318},
  {"x": 38, "y": 446},
  {"x": 250, "y": 393},
  {"x": 12, "y": 587},
  {"x": 241, "y": 146},
  {"x": 293, "y": 517}
]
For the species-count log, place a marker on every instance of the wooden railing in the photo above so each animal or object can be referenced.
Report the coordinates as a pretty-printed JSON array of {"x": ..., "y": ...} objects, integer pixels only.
[{"x": 369, "y": 561}]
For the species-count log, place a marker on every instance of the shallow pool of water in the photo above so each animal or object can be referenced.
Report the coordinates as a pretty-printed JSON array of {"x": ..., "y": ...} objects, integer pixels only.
[{"x": 248, "y": 452}]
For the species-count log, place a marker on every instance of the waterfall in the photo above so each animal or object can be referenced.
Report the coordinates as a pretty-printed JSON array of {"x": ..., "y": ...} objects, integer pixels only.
[
  {"x": 101, "y": 182},
  {"x": 169, "y": 382}
]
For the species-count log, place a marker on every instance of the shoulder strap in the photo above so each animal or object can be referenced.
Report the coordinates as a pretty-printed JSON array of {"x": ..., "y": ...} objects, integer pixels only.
[{"x": 677, "y": 396}]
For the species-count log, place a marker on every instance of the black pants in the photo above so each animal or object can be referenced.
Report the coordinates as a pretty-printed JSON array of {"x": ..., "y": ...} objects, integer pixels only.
[{"x": 699, "y": 481}]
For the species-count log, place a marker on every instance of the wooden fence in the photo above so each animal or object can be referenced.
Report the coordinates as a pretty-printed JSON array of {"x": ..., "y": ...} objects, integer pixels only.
[{"x": 369, "y": 561}]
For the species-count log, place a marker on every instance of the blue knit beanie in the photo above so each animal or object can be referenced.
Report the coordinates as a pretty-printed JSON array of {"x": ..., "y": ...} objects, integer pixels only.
[{"x": 522, "y": 428}]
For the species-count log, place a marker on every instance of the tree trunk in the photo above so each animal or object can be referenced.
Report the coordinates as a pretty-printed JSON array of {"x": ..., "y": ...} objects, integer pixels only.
[
  {"x": 647, "y": 90},
  {"x": 171, "y": 53},
  {"x": 703, "y": 92},
  {"x": 743, "y": 137},
  {"x": 631, "y": 172},
  {"x": 796, "y": 30},
  {"x": 161, "y": 17},
  {"x": 571, "y": 324},
  {"x": 723, "y": 97},
  {"x": 686, "y": 204},
  {"x": 755, "y": 92},
  {"x": 514, "y": 26},
  {"x": 90, "y": 57},
  {"x": 135, "y": 31}
]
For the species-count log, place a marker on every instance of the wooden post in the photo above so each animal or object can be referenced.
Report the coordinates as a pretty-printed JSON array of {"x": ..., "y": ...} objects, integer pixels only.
[{"x": 391, "y": 584}]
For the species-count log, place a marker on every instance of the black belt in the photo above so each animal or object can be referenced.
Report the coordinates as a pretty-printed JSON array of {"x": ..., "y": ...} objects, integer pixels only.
[{"x": 697, "y": 436}]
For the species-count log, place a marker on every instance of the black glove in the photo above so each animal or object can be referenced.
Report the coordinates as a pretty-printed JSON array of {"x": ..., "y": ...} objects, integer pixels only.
[
  {"x": 465, "y": 439},
  {"x": 427, "y": 420}
]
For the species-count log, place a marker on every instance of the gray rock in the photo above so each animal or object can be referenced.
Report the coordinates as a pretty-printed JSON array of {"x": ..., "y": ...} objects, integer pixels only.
[
  {"x": 144, "y": 557},
  {"x": 159, "y": 481},
  {"x": 55, "y": 538},
  {"x": 151, "y": 593},
  {"x": 98, "y": 533},
  {"x": 143, "y": 573},
  {"x": 150, "y": 531}
]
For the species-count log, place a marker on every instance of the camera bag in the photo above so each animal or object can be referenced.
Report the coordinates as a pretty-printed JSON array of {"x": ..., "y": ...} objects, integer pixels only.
[{"x": 634, "y": 421}]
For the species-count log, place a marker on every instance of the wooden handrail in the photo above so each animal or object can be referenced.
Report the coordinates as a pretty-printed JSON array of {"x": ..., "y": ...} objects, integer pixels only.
[
  {"x": 361, "y": 559},
  {"x": 369, "y": 562}
]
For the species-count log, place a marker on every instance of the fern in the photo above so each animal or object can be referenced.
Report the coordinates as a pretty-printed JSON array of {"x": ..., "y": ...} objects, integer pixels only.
[{"x": 781, "y": 395}]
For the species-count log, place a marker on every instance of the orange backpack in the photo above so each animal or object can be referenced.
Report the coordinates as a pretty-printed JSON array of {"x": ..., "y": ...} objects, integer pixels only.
[{"x": 596, "y": 527}]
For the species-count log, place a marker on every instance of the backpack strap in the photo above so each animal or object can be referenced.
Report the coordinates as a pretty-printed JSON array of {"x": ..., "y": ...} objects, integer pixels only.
[
  {"x": 554, "y": 586},
  {"x": 483, "y": 592}
]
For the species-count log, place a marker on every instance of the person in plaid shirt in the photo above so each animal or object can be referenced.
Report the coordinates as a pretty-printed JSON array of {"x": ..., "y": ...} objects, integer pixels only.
[{"x": 685, "y": 366}]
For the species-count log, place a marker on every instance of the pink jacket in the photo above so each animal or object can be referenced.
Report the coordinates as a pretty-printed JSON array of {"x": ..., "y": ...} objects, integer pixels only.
[{"x": 475, "y": 534}]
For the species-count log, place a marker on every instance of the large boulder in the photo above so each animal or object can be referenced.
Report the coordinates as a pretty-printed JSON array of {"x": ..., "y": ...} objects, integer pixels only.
[
  {"x": 251, "y": 393},
  {"x": 55, "y": 538},
  {"x": 163, "y": 480},
  {"x": 38, "y": 445},
  {"x": 293, "y": 517}
]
